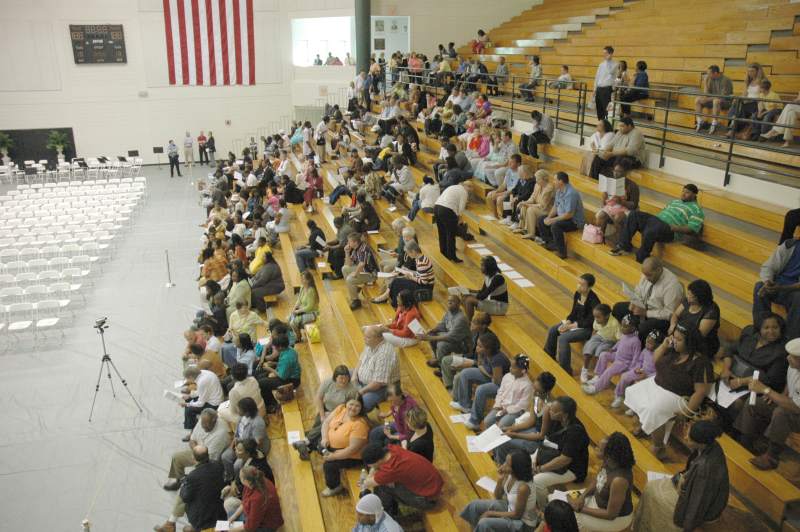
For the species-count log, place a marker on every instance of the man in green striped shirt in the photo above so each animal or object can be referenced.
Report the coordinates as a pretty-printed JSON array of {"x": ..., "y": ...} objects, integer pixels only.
[{"x": 680, "y": 216}]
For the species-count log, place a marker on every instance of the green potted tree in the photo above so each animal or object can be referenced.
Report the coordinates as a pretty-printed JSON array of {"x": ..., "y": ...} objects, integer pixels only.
[
  {"x": 6, "y": 143},
  {"x": 58, "y": 141}
]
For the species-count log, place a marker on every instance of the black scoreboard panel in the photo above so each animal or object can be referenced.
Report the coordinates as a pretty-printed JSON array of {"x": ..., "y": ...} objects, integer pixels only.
[{"x": 99, "y": 43}]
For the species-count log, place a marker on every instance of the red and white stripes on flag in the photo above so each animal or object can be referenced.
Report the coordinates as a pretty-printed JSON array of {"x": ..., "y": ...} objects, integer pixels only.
[{"x": 210, "y": 42}]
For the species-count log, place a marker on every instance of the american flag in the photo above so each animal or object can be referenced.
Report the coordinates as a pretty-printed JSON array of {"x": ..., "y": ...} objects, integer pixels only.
[{"x": 210, "y": 42}]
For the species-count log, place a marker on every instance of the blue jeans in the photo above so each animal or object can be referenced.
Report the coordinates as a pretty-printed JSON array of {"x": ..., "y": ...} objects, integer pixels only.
[
  {"x": 474, "y": 510},
  {"x": 305, "y": 258},
  {"x": 412, "y": 213},
  {"x": 338, "y": 192},
  {"x": 483, "y": 393},
  {"x": 462, "y": 385},
  {"x": 228, "y": 353},
  {"x": 558, "y": 343},
  {"x": 505, "y": 421},
  {"x": 371, "y": 399}
]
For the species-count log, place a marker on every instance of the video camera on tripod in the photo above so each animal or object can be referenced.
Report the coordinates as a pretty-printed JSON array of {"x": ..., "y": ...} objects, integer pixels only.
[{"x": 100, "y": 323}]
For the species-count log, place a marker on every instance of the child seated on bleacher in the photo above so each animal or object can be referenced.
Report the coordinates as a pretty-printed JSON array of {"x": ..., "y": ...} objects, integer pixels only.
[
  {"x": 618, "y": 359},
  {"x": 606, "y": 332}
]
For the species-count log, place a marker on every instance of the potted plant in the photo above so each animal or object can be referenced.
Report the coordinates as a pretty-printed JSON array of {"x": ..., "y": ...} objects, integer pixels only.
[
  {"x": 58, "y": 141},
  {"x": 6, "y": 143}
]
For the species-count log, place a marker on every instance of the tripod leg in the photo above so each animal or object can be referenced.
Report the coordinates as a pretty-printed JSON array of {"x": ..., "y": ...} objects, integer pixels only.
[
  {"x": 110, "y": 381},
  {"x": 96, "y": 389},
  {"x": 124, "y": 382}
]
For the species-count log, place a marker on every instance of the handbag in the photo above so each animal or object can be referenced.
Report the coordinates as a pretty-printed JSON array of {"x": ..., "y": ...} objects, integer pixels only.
[
  {"x": 312, "y": 333},
  {"x": 523, "y": 144},
  {"x": 592, "y": 234},
  {"x": 285, "y": 393}
]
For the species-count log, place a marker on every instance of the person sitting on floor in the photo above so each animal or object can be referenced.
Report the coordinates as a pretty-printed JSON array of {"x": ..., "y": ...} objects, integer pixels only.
[
  {"x": 398, "y": 331},
  {"x": 606, "y": 504},
  {"x": 576, "y": 327},
  {"x": 370, "y": 516},
  {"x": 780, "y": 283},
  {"x": 565, "y": 216},
  {"x": 627, "y": 146},
  {"x": 682, "y": 216},
  {"x": 377, "y": 366},
  {"x": 399, "y": 476},
  {"x": 514, "y": 504},
  {"x": 400, "y": 403},
  {"x": 513, "y": 396},
  {"x": 569, "y": 460},
  {"x": 682, "y": 372},
  {"x": 694, "y": 497},
  {"x": 775, "y": 414},
  {"x": 211, "y": 433}
]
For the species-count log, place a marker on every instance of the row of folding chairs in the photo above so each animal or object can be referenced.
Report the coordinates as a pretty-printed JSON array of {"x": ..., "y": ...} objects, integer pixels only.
[
  {"x": 116, "y": 217},
  {"x": 70, "y": 275},
  {"x": 53, "y": 235},
  {"x": 60, "y": 290},
  {"x": 33, "y": 317},
  {"x": 96, "y": 190},
  {"x": 67, "y": 184},
  {"x": 83, "y": 262},
  {"x": 26, "y": 251},
  {"x": 57, "y": 206}
]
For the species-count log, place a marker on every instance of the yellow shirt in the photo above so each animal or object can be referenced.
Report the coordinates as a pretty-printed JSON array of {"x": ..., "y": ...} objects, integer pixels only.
[
  {"x": 769, "y": 106},
  {"x": 258, "y": 260},
  {"x": 609, "y": 331}
]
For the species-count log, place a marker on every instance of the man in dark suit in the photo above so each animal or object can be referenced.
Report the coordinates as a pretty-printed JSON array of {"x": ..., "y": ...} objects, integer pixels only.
[{"x": 199, "y": 496}]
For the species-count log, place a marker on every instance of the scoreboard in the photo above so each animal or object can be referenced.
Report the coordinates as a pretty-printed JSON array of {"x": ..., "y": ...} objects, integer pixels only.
[{"x": 99, "y": 43}]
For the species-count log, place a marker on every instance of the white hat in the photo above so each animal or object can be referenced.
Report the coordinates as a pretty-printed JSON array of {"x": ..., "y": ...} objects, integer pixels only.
[
  {"x": 370, "y": 504},
  {"x": 793, "y": 347},
  {"x": 282, "y": 132}
]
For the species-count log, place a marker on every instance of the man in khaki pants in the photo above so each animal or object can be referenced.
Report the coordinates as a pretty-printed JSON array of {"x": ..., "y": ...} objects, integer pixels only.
[
  {"x": 359, "y": 268},
  {"x": 212, "y": 433}
]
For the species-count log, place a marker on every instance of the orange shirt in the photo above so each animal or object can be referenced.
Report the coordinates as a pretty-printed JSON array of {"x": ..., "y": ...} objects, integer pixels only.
[{"x": 340, "y": 431}]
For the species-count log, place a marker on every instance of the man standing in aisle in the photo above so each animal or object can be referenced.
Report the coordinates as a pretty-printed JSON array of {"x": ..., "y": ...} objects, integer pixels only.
[
  {"x": 188, "y": 151},
  {"x": 604, "y": 82},
  {"x": 201, "y": 145},
  {"x": 211, "y": 147},
  {"x": 172, "y": 153}
]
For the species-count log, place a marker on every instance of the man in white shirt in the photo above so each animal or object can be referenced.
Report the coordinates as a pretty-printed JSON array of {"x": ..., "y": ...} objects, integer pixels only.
[
  {"x": 348, "y": 60},
  {"x": 188, "y": 151},
  {"x": 212, "y": 432},
  {"x": 308, "y": 140},
  {"x": 377, "y": 367},
  {"x": 447, "y": 210},
  {"x": 208, "y": 394},
  {"x": 320, "y": 140},
  {"x": 604, "y": 82}
]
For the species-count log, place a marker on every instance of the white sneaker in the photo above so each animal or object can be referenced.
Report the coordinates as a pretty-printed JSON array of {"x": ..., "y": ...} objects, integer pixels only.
[
  {"x": 471, "y": 426},
  {"x": 593, "y": 380},
  {"x": 630, "y": 412},
  {"x": 589, "y": 389},
  {"x": 698, "y": 127},
  {"x": 506, "y": 220},
  {"x": 584, "y": 375},
  {"x": 617, "y": 402},
  {"x": 327, "y": 492},
  {"x": 514, "y": 226},
  {"x": 310, "y": 209},
  {"x": 539, "y": 240},
  {"x": 457, "y": 406},
  {"x": 392, "y": 208},
  {"x": 713, "y": 128}
]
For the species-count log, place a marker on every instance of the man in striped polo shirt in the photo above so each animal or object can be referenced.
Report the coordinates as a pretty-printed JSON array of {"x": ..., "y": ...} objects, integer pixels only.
[{"x": 680, "y": 216}]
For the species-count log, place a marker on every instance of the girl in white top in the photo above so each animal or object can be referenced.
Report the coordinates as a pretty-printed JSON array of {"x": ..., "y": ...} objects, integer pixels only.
[
  {"x": 514, "y": 504},
  {"x": 600, "y": 141}
]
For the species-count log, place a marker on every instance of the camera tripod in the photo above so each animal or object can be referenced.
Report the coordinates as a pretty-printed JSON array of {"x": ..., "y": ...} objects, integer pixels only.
[{"x": 108, "y": 364}]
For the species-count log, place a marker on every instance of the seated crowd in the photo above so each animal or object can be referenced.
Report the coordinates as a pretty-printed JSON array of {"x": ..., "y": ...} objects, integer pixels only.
[{"x": 656, "y": 350}]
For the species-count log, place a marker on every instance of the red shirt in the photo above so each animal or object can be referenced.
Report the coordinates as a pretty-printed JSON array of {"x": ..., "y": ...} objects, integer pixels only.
[
  {"x": 411, "y": 471},
  {"x": 399, "y": 325},
  {"x": 258, "y": 513}
]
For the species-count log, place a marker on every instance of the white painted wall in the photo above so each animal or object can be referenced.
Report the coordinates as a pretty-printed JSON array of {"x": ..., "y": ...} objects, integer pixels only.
[
  {"x": 115, "y": 108},
  {"x": 441, "y": 21}
]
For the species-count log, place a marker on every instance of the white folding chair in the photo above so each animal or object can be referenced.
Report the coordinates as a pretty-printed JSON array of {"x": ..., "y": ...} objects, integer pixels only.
[
  {"x": 29, "y": 253},
  {"x": 24, "y": 278},
  {"x": 9, "y": 254},
  {"x": 47, "y": 315},
  {"x": 15, "y": 266},
  {"x": 7, "y": 279},
  {"x": 20, "y": 317},
  {"x": 36, "y": 265},
  {"x": 35, "y": 293},
  {"x": 59, "y": 263},
  {"x": 11, "y": 294},
  {"x": 63, "y": 292}
]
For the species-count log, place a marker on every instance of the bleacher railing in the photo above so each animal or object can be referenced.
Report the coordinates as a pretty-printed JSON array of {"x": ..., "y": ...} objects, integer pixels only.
[{"x": 667, "y": 104}]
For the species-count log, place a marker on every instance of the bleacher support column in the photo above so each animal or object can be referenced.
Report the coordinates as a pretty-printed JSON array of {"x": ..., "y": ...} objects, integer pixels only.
[{"x": 363, "y": 34}]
